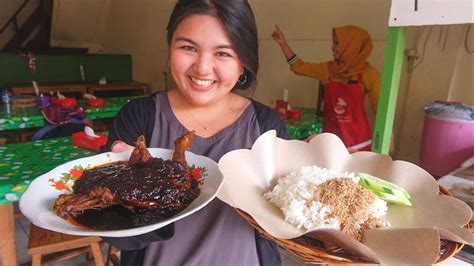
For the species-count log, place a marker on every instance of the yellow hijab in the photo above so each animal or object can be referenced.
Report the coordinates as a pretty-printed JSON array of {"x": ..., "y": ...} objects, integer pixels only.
[{"x": 355, "y": 46}]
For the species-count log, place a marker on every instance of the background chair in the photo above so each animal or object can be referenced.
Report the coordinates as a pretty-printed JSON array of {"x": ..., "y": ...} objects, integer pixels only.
[{"x": 43, "y": 242}]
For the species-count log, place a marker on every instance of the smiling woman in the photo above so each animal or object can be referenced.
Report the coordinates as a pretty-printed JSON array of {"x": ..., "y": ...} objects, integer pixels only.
[
  {"x": 206, "y": 68},
  {"x": 213, "y": 51}
]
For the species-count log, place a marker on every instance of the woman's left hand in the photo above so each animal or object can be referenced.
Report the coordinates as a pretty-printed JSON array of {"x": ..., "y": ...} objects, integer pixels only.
[{"x": 120, "y": 146}]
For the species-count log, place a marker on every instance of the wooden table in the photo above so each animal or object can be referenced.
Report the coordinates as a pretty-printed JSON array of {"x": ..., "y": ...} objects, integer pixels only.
[
  {"x": 20, "y": 163},
  {"x": 7, "y": 230}
]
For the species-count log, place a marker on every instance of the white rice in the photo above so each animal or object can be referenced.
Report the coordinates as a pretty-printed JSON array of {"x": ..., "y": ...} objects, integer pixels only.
[{"x": 295, "y": 194}]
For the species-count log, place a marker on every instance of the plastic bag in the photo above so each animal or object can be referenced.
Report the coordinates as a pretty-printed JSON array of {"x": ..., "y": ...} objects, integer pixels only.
[
  {"x": 6, "y": 100},
  {"x": 450, "y": 110},
  {"x": 6, "y": 96}
]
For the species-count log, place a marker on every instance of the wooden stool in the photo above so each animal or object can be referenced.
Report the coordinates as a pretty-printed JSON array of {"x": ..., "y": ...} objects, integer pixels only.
[
  {"x": 42, "y": 242},
  {"x": 113, "y": 256}
]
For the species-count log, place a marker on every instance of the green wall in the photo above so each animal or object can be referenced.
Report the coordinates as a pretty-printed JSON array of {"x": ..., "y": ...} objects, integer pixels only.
[{"x": 65, "y": 68}]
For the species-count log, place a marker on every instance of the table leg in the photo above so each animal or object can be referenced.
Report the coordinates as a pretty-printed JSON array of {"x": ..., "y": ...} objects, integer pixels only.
[{"x": 7, "y": 233}]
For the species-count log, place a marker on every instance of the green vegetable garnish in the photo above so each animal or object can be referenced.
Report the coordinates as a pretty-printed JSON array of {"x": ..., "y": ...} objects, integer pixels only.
[{"x": 385, "y": 190}]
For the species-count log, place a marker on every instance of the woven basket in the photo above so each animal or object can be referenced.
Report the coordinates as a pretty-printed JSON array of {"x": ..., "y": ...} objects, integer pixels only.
[{"x": 314, "y": 251}]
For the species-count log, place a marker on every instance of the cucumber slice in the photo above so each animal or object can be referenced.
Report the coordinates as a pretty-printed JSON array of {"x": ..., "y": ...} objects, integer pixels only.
[
  {"x": 385, "y": 190},
  {"x": 393, "y": 198}
]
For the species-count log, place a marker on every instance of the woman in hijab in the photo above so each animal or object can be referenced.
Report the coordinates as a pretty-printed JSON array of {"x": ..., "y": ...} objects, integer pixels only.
[{"x": 346, "y": 79}]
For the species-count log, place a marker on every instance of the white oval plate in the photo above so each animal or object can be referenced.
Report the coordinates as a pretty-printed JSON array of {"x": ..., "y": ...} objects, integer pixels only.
[{"x": 37, "y": 201}]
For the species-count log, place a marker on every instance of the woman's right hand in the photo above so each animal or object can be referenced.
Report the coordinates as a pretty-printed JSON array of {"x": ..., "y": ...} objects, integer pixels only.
[
  {"x": 278, "y": 35},
  {"x": 120, "y": 146}
]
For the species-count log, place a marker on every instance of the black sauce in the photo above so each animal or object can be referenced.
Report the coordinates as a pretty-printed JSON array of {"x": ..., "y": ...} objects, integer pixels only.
[
  {"x": 154, "y": 190},
  {"x": 109, "y": 218}
]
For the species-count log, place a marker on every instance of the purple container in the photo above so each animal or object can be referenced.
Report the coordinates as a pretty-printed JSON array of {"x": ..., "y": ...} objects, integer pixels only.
[{"x": 43, "y": 101}]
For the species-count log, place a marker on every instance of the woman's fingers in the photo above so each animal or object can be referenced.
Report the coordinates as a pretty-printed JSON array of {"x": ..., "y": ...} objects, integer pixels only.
[
  {"x": 120, "y": 146},
  {"x": 275, "y": 35},
  {"x": 351, "y": 150},
  {"x": 277, "y": 28},
  {"x": 308, "y": 139}
]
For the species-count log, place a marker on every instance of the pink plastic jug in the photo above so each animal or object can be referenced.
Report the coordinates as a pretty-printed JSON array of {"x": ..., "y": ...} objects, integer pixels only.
[{"x": 446, "y": 143}]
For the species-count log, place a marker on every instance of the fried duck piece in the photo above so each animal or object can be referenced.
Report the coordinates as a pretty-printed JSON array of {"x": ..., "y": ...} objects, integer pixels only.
[
  {"x": 140, "y": 154},
  {"x": 150, "y": 188}
]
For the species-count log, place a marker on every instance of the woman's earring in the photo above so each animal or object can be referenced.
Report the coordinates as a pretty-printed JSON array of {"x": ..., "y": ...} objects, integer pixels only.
[{"x": 242, "y": 79}]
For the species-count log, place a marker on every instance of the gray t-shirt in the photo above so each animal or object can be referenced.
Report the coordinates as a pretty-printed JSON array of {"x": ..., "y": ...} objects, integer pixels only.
[{"x": 216, "y": 234}]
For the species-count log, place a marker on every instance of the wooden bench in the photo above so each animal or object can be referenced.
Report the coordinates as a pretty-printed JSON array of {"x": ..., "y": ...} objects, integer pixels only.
[
  {"x": 141, "y": 87},
  {"x": 79, "y": 89}
]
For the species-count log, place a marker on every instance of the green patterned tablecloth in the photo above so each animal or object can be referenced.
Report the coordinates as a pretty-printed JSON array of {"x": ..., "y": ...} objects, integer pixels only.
[
  {"x": 20, "y": 163},
  {"x": 32, "y": 117},
  {"x": 24, "y": 118},
  {"x": 307, "y": 125},
  {"x": 110, "y": 109}
]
